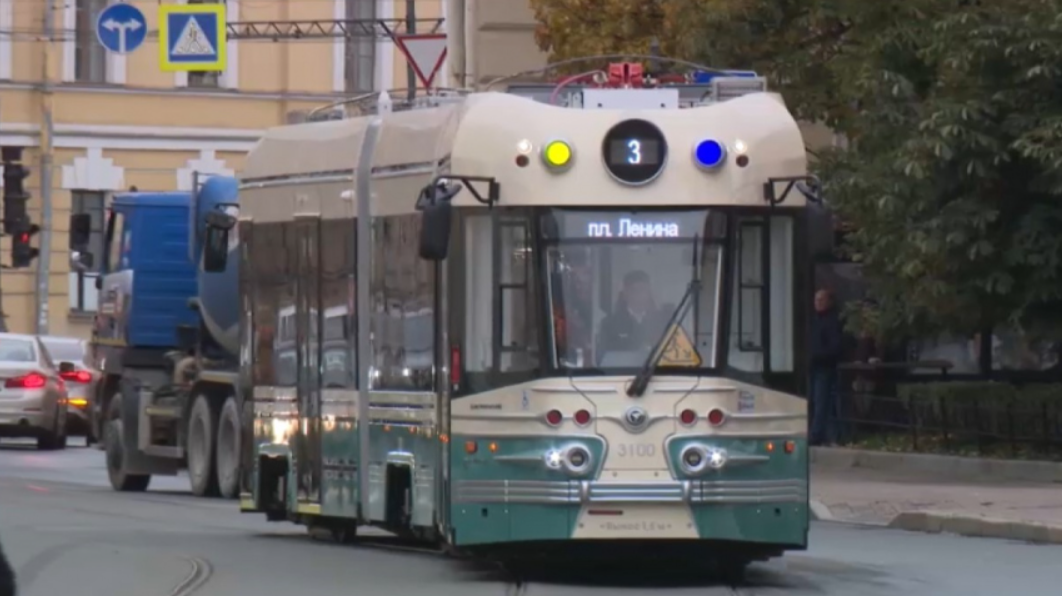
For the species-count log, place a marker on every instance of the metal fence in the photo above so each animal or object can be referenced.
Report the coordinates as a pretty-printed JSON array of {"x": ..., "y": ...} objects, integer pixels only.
[{"x": 883, "y": 406}]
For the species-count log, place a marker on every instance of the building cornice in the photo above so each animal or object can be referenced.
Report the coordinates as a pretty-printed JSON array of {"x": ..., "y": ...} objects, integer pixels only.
[
  {"x": 170, "y": 92},
  {"x": 142, "y": 138}
]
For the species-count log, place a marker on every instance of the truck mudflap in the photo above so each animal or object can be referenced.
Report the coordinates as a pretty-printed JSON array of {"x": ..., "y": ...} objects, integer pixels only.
[{"x": 136, "y": 461}]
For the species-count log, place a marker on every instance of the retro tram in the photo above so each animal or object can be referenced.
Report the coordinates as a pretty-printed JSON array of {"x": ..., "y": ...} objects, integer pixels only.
[{"x": 504, "y": 326}]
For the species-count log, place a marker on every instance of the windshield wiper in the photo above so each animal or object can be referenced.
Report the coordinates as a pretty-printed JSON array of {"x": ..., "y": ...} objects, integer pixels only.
[
  {"x": 693, "y": 290},
  {"x": 640, "y": 382}
]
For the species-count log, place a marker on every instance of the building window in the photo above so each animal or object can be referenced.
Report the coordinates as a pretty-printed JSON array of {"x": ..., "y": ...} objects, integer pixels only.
[
  {"x": 83, "y": 293},
  {"x": 360, "y": 51},
  {"x": 90, "y": 57},
  {"x": 204, "y": 78}
]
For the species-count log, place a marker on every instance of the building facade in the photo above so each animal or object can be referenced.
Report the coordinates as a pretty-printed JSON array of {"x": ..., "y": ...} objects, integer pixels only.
[{"x": 119, "y": 121}]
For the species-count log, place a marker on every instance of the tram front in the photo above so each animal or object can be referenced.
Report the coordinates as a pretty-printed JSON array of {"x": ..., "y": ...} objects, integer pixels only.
[{"x": 623, "y": 330}]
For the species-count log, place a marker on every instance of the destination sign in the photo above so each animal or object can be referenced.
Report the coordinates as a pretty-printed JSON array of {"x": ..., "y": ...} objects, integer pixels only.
[{"x": 628, "y": 225}]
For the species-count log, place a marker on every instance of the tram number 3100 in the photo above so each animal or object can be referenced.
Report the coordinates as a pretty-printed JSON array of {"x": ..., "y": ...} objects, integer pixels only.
[{"x": 636, "y": 450}]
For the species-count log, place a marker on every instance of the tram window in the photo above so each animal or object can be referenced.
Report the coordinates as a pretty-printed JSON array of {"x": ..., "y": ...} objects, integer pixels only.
[
  {"x": 708, "y": 305},
  {"x": 519, "y": 345},
  {"x": 270, "y": 279},
  {"x": 746, "y": 319},
  {"x": 403, "y": 319},
  {"x": 285, "y": 341},
  {"x": 782, "y": 294},
  {"x": 339, "y": 339},
  {"x": 746, "y": 314},
  {"x": 516, "y": 286},
  {"x": 479, "y": 284},
  {"x": 308, "y": 307}
]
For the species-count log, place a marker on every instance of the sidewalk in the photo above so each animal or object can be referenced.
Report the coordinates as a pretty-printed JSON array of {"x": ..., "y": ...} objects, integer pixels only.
[{"x": 919, "y": 501}]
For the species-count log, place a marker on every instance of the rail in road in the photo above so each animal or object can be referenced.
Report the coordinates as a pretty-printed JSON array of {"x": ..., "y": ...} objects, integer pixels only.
[{"x": 67, "y": 532}]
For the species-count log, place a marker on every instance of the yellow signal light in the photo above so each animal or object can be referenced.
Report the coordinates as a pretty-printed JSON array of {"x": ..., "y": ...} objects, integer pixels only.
[{"x": 557, "y": 155}]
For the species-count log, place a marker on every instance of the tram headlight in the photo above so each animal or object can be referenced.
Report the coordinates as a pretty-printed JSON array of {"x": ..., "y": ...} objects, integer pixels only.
[
  {"x": 553, "y": 459},
  {"x": 696, "y": 458},
  {"x": 577, "y": 460},
  {"x": 574, "y": 459},
  {"x": 558, "y": 155},
  {"x": 717, "y": 458},
  {"x": 692, "y": 458}
]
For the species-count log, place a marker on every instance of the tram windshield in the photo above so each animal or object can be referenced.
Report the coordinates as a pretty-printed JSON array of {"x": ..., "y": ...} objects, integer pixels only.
[{"x": 617, "y": 278}]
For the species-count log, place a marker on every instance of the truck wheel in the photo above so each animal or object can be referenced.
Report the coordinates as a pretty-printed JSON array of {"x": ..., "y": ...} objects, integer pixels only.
[
  {"x": 202, "y": 424},
  {"x": 121, "y": 480},
  {"x": 228, "y": 449}
]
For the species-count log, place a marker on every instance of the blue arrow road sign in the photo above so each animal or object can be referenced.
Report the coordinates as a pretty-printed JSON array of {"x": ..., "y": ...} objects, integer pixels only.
[{"x": 121, "y": 28}]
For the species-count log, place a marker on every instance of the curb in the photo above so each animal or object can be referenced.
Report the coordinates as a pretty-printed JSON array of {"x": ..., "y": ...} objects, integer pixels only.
[
  {"x": 978, "y": 527},
  {"x": 819, "y": 511},
  {"x": 942, "y": 466}
]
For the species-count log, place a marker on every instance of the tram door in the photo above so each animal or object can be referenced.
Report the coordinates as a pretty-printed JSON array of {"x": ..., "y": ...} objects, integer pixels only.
[{"x": 308, "y": 378}]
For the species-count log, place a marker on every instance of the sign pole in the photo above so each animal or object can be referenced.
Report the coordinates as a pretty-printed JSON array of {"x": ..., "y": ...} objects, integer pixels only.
[
  {"x": 44, "y": 256},
  {"x": 411, "y": 29}
]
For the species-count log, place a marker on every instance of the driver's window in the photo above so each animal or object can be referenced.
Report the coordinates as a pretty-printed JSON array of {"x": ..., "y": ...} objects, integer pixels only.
[{"x": 115, "y": 242}]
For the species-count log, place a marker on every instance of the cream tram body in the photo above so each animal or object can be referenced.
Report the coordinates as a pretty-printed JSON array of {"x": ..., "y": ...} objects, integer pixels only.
[{"x": 471, "y": 416}]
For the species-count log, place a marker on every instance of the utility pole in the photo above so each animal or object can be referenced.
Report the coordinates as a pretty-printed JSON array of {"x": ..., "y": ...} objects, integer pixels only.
[
  {"x": 411, "y": 27},
  {"x": 45, "y": 174}
]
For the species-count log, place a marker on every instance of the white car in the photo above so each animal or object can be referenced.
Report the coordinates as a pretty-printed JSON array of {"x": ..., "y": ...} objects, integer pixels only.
[{"x": 32, "y": 394}]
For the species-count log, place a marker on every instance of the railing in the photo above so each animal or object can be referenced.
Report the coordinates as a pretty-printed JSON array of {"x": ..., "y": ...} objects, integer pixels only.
[{"x": 882, "y": 406}]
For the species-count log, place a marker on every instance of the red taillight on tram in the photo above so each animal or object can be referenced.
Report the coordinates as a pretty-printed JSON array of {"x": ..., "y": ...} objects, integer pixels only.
[{"x": 716, "y": 417}]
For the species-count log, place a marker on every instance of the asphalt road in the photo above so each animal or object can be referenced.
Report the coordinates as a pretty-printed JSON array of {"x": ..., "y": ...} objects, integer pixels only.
[{"x": 67, "y": 533}]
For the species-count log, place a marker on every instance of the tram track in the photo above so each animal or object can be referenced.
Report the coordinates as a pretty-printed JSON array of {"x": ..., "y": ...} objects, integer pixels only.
[{"x": 201, "y": 573}]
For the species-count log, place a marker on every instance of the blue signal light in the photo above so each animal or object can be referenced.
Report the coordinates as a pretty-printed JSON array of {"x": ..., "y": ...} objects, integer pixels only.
[
  {"x": 702, "y": 77},
  {"x": 709, "y": 154}
]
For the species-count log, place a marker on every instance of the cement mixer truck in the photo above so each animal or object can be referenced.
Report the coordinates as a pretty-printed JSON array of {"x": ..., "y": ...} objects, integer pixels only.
[{"x": 166, "y": 338}]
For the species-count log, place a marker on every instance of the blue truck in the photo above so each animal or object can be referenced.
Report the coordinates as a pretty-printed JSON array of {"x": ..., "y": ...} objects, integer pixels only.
[{"x": 166, "y": 337}]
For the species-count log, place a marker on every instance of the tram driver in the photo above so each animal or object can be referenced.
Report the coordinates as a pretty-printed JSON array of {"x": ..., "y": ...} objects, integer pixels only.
[{"x": 635, "y": 323}]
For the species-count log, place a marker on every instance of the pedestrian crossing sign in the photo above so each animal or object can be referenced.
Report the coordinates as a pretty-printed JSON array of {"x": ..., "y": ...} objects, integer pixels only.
[{"x": 192, "y": 37}]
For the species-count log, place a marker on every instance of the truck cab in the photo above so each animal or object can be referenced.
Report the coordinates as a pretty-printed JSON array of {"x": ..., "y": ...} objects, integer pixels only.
[{"x": 163, "y": 337}]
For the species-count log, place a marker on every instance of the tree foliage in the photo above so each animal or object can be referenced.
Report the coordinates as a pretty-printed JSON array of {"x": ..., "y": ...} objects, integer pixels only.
[
  {"x": 952, "y": 179},
  {"x": 579, "y": 28}
]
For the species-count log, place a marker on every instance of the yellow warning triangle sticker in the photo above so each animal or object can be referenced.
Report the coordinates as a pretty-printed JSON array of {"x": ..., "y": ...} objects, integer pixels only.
[{"x": 679, "y": 350}]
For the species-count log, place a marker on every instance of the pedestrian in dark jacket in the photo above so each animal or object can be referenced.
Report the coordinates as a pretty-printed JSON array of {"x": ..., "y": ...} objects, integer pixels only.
[
  {"x": 826, "y": 340},
  {"x": 7, "y": 576}
]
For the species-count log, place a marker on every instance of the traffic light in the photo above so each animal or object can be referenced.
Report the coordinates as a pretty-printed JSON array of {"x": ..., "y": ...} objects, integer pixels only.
[
  {"x": 15, "y": 195},
  {"x": 22, "y": 254}
]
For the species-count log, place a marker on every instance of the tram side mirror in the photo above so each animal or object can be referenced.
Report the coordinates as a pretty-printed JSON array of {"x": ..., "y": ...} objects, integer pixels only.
[
  {"x": 80, "y": 231},
  {"x": 216, "y": 241},
  {"x": 822, "y": 234},
  {"x": 436, "y": 210}
]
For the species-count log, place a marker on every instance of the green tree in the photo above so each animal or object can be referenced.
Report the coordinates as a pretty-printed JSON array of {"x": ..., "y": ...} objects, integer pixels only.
[
  {"x": 953, "y": 180},
  {"x": 581, "y": 28}
]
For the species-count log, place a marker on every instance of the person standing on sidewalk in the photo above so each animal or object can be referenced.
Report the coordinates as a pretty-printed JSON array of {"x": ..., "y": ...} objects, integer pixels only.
[
  {"x": 7, "y": 576},
  {"x": 826, "y": 341}
]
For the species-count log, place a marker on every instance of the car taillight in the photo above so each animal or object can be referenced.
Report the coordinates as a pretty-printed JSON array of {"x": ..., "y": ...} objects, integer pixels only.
[
  {"x": 30, "y": 381},
  {"x": 77, "y": 376}
]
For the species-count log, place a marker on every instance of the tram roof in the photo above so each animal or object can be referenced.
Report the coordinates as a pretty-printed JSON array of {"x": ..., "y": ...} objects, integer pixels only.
[{"x": 479, "y": 134}]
